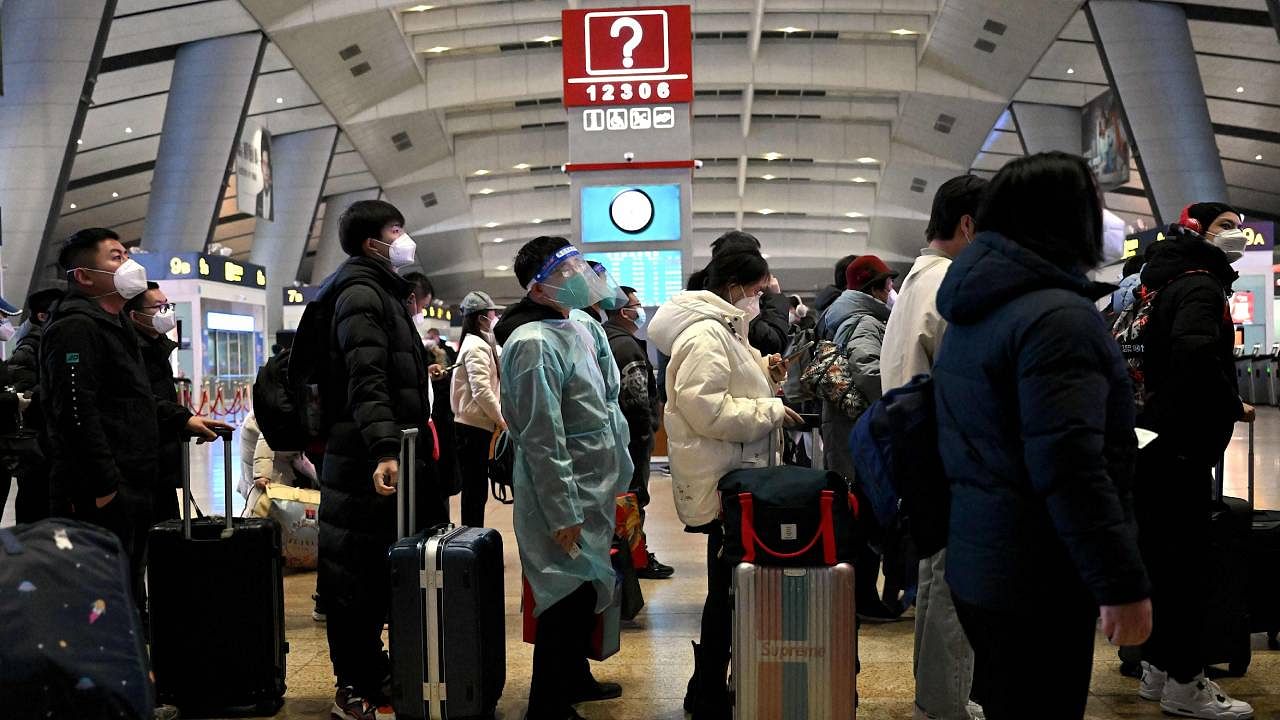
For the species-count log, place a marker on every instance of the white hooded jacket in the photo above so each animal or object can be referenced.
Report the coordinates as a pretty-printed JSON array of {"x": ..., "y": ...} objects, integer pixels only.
[{"x": 721, "y": 403}]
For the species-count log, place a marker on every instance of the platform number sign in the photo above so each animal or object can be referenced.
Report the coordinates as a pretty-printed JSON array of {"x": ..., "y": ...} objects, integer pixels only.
[{"x": 634, "y": 56}]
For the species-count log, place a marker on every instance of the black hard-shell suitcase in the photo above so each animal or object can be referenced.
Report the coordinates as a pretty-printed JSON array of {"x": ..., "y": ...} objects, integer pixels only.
[
  {"x": 216, "y": 590},
  {"x": 448, "y": 615},
  {"x": 70, "y": 640}
]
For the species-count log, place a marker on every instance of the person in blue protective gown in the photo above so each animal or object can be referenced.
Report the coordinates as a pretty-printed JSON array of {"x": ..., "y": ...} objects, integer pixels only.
[{"x": 560, "y": 400}]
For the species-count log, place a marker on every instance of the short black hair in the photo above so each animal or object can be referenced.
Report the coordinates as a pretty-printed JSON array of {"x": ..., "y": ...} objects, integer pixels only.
[
  {"x": 734, "y": 240},
  {"x": 626, "y": 290},
  {"x": 735, "y": 267},
  {"x": 534, "y": 253},
  {"x": 420, "y": 284},
  {"x": 365, "y": 219},
  {"x": 1133, "y": 265},
  {"x": 1048, "y": 203},
  {"x": 697, "y": 280},
  {"x": 842, "y": 265},
  {"x": 955, "y": 198},
  {"x": 134, "y": 303},
  {"x": 81, "y": 245}
]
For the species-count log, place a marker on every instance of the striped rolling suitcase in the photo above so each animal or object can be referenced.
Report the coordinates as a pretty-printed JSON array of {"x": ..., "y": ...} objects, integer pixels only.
[
  {"x": 794, "y": 643},
  {"x": 448, "y": 617}
]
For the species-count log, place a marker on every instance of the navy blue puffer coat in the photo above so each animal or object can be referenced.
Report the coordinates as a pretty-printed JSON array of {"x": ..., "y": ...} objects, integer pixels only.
[{"x": 1035, "y": 420}]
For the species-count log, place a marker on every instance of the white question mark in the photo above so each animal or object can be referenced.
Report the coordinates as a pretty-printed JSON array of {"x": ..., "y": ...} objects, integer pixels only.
[{"x": 629, "y": 47}]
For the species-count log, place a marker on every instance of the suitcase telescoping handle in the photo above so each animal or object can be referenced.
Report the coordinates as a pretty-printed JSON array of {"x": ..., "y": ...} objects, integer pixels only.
[
  {"x": 225, "y": 434},
  {"x": 1219, "y": 472},
  {"x": 407, "y": 485}
]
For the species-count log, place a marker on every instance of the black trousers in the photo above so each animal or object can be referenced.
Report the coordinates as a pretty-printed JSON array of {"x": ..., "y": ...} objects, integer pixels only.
[
  {"x": 32, "y": 502},
  {"x": 354, "y": 630},
  {"x": 473, "y": 463},
  {"x": 1172, "y": 503},
  {"x": 1016, "y": 680},
  {"x": 640, "y": 450},
  {"x": 128, "y": 517},
  {"x": 716, "y": 636},
  {"x": 560, "y": 669}
]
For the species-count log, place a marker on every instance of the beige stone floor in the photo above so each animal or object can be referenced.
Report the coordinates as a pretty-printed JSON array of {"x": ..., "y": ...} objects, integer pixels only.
[{"x": 656, "y": 660}]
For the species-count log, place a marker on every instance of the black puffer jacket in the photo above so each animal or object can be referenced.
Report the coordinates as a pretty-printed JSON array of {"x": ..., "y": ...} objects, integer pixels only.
[
  {"x": 376, "y": 385},
  {"x": 24, "y": 366},
  {"x": 173, "y": 416},
  {"x": 1035, "y": 428},
  {"x": 102, "y": 419},
  {"x": 1193, "y": 401},
  {"x": 638, "y": 397}
]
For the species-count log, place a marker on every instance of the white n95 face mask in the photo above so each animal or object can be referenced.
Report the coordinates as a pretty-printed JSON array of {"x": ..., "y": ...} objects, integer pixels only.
[
  {"x": 404, "y": 250},
  {"x": 164, "y": 321},
  {"x": 7, "y": 331},
  {"x": 130, "y": 279},
  {"x": 1232, "y": 242}
]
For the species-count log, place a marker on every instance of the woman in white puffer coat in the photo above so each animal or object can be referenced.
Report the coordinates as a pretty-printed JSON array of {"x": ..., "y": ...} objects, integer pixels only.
[{"x": 722, "y": 404}]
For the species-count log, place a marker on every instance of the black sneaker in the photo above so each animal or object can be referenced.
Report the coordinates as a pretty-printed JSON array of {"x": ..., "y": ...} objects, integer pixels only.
[
  {"x": 347, "y": 705},
  {"x": 165, "y": 712},
  {"x": 601, "y": 691},
  {"x": 655, "y": 570},
  {"x": 317, "y": 613}
]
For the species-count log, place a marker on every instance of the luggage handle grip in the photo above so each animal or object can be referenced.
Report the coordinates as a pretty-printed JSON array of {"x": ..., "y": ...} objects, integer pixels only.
[
  {"x": 225, "y": 434},
  {"x": 826, "y": 531},
  {"x": 406, "y": 518}
]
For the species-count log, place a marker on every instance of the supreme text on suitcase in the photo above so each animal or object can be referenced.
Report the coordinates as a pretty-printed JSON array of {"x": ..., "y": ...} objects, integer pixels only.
[
  {"x": 794, "y": 643},
  {"x": 70, "y": 641},
  {"x": 448, "y": 622},
  {"x": 217, "y": 608}
]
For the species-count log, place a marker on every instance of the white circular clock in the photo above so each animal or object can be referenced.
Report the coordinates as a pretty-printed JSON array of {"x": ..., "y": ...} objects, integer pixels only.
[{"x": 631, "y": 211}]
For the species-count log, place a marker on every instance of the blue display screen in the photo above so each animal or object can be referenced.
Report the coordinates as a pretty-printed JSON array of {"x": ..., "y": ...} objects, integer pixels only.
[
  {"x": 655, "y": 274},
  {"x": 599, "y": 218}
]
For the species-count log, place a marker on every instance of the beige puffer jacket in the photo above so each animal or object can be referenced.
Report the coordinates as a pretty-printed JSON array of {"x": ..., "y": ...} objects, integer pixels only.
[
  {"x": 474, "y": 392},
  {"x": 721, "y": 404}
]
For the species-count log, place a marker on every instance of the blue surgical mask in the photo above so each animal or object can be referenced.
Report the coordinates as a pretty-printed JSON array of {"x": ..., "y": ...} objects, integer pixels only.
[{"x": 641, "y": 317}]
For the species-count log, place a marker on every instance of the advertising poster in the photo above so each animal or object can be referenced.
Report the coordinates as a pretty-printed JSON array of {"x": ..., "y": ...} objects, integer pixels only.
[
  {"x": 253, "y": 172},
  {"x": 1104, "y": 142}
]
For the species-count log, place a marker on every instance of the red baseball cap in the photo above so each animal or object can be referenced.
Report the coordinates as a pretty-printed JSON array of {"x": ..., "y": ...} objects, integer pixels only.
[{"x": 866, "y": 270}]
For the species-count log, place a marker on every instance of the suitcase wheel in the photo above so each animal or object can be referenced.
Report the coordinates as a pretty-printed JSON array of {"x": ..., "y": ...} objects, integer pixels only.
[
  {"x": 1238, "y": 668},
  {"x": 1273, "y": 642}
]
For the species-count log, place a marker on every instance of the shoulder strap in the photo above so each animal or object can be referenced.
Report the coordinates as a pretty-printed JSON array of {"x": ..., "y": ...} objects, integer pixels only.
[{"x": 845, "y": 330}]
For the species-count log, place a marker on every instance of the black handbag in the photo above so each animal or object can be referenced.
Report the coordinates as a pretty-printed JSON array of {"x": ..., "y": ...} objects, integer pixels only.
[
  {"x": 502, "y": 468},
  {"x": 788, "y": 516}
]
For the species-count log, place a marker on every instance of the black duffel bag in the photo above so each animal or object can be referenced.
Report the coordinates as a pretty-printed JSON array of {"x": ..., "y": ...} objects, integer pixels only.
[{"x": 788, "y": 516}]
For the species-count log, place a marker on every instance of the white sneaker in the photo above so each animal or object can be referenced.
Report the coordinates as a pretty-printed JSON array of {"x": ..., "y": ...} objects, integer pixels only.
[
  {"x": 975, "y": 711},
  {"x": 1202, "y": 698},
  {"x": 1153, "y": 682}
]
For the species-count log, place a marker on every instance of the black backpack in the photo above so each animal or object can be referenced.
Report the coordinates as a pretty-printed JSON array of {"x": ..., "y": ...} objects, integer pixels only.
[{"x": 288, "y": 401}]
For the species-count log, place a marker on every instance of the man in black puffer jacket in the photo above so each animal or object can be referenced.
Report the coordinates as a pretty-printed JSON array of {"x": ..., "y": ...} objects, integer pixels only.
[
  {"x": 1193, "y": 403},
  {"x": 375, "y": 386}
]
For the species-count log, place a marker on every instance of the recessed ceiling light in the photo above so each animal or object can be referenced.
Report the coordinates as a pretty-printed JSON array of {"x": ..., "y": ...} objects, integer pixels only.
[
  {"x": 422, "y": 8},
  {"x": 115, "y": 194},
  {"x": 439, "y": 49},
  {"x": 1239, "y": 88},
  {"x": 73, "y": 206},
  {"x": 1257, "y": 157},
  {"x": 858, "y": 179},
  {"x": 128, "y": 131},
  {"x": 521, "y": 166},
  {"x": 854, "y": 214},
  {"x": 79, "y": 141},
  {"x": 768, "y": 176},
  {"x": 766, "y": 211},
  {"x": 279, "y": 101},
  {"x": 536, "y": 221},
  {"x": 790, "y": 29},
  {"x": 486, "y": 191},
  {"x": 903, "y": 31},
  {"x": 501, "y": 268},
  {"x": 764, "y": 255},
  {"x": 868, "y": 160},
  {"x": 771, "y": 156},
  {"x": 1071, "y": 71},
  {"x": 480, "y": 172},
  {"x": 546, "y": 39},
  {"x": 492, "y": 224},
  {"x": 848, "y": 231},
  {"x": 498, "y": 240}
]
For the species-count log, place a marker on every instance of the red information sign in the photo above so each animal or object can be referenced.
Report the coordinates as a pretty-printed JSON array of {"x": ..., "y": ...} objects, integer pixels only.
[{"x": 634, "y": 56}]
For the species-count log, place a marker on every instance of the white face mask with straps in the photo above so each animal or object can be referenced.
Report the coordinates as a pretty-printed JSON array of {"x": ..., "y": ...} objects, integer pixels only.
[{"x": 130, "y": 279}]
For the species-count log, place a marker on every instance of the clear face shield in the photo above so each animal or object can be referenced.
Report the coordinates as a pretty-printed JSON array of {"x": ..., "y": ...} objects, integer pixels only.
[
  {"x": 569, "y": 280},
  {"x": 617, "y": 299}
]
